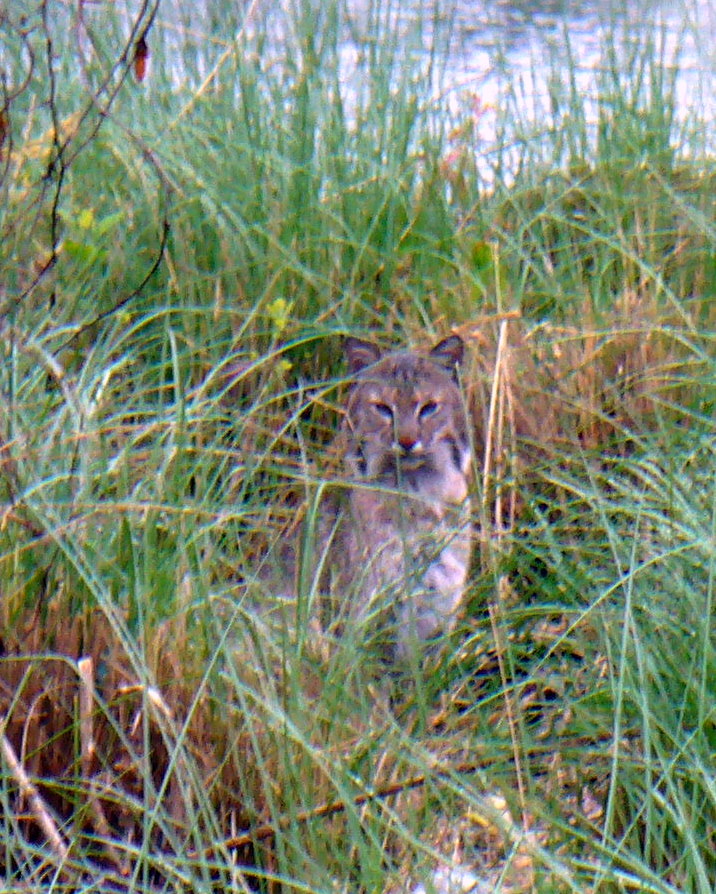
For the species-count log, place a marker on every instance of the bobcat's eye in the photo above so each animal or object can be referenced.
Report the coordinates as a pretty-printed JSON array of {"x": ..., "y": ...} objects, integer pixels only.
[
  {"x": 383, "y": 409},
  {"x": 428, "y": 409}
]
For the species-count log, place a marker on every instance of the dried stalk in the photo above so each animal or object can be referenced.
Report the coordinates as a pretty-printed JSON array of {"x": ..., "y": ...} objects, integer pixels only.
[
  {"x": 85, "y": 672},
  {"x": 28, "y": 789}
]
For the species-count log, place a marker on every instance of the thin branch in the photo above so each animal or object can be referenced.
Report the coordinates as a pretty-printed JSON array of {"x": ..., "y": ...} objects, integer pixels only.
[
  {"x": 127, "y": 298},
  {"x": 268, "y": 831},
  {"x": 85, "y": 672},
  {"x": 123, "y": 65},
  {"x": 57, "y": 844},
  {"x": 65, "y": 148}
]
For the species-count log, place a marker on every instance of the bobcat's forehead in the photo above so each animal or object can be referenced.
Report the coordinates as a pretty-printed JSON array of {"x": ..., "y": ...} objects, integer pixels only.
[
  {"x": 402, "y": 379},
  {"x": 408, "y": 371}
]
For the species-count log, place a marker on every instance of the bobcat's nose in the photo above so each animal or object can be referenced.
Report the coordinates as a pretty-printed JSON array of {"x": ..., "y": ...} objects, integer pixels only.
[{"x": 408, "y": 443}]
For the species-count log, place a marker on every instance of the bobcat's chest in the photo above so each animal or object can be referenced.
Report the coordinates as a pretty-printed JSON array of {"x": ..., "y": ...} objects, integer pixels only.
[{"x": 392, "y": 536}]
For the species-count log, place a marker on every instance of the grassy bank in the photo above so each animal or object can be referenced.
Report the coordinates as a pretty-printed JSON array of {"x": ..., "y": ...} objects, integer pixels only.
[{"x": 180, "y": 257}]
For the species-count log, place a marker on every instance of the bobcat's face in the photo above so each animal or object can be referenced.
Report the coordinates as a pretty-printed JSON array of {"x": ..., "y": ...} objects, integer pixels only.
[{"x": 405, "y": 419}]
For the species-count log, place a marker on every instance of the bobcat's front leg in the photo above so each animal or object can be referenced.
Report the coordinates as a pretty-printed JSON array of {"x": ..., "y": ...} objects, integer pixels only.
[{"x": 431, "y": 610}]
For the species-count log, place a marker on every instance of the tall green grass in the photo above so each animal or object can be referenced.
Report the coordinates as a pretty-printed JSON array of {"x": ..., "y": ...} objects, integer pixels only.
[{"x": 179, "y": 260}]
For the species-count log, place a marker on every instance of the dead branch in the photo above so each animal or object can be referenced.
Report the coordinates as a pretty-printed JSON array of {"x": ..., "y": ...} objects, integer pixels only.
[{"x": 58, "y": 846}]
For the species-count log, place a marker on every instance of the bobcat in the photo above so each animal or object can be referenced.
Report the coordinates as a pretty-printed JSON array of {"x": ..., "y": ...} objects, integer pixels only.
[{"x": 406, "y": 528}]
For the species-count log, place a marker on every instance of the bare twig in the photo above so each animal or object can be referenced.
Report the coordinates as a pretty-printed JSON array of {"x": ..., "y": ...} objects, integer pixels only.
[
  {"x": 127, "y": 298},
  {"x": 269, "y": 831},
  {"x": 67, "y": 146},
  {"x": 57, "y": 844},
  {"x": 117, "y": 75},
  {"x": 85, "y": 672}
]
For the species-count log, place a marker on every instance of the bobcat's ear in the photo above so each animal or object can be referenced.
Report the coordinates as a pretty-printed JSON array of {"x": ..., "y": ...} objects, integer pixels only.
[
  {"x": 449, "y": 352},
  {"x": 360, "y": 353}
]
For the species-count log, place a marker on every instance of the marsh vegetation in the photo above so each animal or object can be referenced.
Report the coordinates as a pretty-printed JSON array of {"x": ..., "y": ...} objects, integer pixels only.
[{"x": 183, "y": 246}]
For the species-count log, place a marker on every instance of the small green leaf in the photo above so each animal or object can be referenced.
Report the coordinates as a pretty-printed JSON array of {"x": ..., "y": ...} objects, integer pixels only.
[
  {"x": 109, "y": 223},
  {"x": 80, "y": 251},
  {"x": 481, "y": 255},
  {"x": 85, "y": 219}
]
